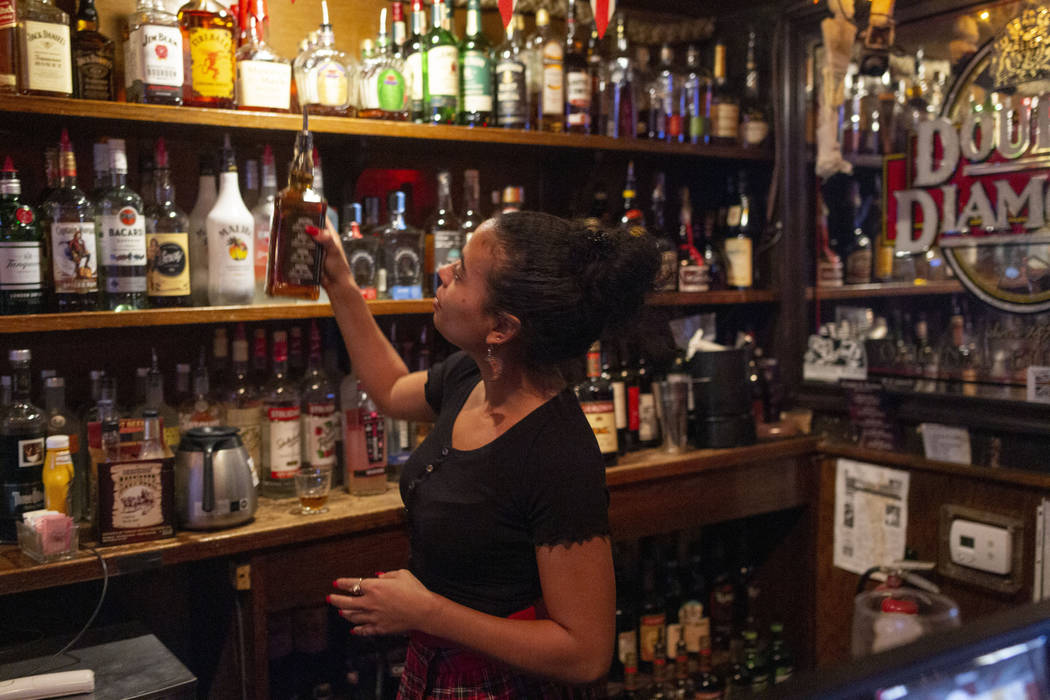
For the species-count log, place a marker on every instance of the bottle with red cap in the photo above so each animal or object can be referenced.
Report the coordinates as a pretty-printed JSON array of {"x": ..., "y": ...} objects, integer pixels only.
[
  {"x": 167, "y": 240},
  {"x": 281, "y": 427},
  {"x": 22, "y": 258}
]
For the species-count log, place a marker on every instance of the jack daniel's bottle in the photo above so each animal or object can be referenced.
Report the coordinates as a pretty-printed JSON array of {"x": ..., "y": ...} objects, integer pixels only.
[{"x": 294, "y": 269}]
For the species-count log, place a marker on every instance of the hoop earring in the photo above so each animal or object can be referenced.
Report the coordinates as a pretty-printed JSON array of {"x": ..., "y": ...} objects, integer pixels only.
[{"x": 495, "y": 363}]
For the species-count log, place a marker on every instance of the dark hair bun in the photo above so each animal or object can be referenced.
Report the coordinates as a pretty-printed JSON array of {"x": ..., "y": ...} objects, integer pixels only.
[{"x": 568, "y": 282}]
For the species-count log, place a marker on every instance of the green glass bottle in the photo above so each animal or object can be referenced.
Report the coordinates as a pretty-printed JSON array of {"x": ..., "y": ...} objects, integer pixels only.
[
  {"x": 475, "y": 60},
  {"x": 415, "y": 52},
  {"x": 22, "y": 259},
  {"x": 440, "y": 71}
]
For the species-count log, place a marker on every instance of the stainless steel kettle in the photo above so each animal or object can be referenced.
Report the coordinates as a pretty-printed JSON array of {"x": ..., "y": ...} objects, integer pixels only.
[{"x": 215, "y": 482}]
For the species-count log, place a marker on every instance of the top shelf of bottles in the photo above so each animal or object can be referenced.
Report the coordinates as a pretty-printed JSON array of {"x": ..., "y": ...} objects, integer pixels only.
[
  {"x": 234, "y": 119},
  {"x": 886, "y": 289}
]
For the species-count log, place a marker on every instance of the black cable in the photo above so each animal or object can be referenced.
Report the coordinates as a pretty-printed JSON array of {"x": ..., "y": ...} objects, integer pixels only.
[{"x": 87, "y": 625}]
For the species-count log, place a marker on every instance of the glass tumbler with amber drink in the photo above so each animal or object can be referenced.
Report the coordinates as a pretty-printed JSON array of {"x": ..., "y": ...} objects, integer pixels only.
[
  {"x": 312, "y": 485},
  {"x": 296, "y": 259}
]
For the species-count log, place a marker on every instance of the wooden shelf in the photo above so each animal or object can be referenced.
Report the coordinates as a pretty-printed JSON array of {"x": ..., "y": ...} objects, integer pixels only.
[
  {"x": 754, "y": 296},
  {"x": 887, "y": 289},
  {"x": 86, "y": 320},
  {"x": 234, "y": 119},
  {"x": 275, "y": 525}
]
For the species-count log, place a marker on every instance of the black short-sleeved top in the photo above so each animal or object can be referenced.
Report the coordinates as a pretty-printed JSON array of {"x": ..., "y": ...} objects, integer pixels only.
[{"x": 475, "y": 517}]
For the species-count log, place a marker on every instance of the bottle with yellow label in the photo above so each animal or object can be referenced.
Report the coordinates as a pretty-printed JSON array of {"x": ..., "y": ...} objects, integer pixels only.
[
  {"x": 598, "y": 403},
  {"x": 58, "y": 474},
  {"x": 208, "y": 54}
]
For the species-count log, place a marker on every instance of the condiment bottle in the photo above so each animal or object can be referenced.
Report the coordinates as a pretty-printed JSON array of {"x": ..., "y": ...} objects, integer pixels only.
[{"x": 58, "y": 473}]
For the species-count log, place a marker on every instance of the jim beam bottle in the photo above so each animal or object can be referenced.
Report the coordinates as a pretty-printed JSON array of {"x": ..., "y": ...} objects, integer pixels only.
[
  {"x": 153, "y": 56},
  {"x": 296, "y": 259},
  {"x": 598, "y": 404}
]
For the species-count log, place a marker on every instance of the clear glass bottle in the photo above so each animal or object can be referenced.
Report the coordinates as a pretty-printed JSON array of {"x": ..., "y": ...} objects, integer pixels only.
[
  {"x": 250, "y": 183},
  {"x": 697, "y": 98},
  {"x": 231, "y": 233},
  {"x": 661, "y": 233},
  {"x": 44, "y": 50},
  {"x": 207, "y": 193},
  {"x": 511, "y": 79},
  {"x": 169, "y": 416},
  {"x": 72, "y": 232},
  {"x": 754, "y": 119},
  {"x": 475, "y": 60},
  {"x": 598, "y": 69},
  {"x": 667, "y": 86},
  {"x": 398, "y": 29},
  {"x": 208, "y": 45},
  {"x": 241, "y": 402},
  {"x": 471, "y": 205},
  {"x": 8, "y": 49},
  {"x": 739, "y": 234},
  {"x": 153, "y": 55},
  {"x": 260, "y": 361},
  {"x": 263, "y": 215},
  {"x": 325, "y": 77},
  {"x": 122, "y": 237},
  {"x": 282, "y": 428},
  {"x": 362, "y": 253},
  {"x": 296, "y": 260},
  {"x": 402, "y": 256},
  {"x": 153, "y": 445},
  {"x": 550, "y": 46},
  {"x": 725, "y": 105},
  {"x": 320, "y": 413},
  {"x": 577, "y": 75},
  {"x": 93, "y": 57},
  {"x": 364, "y": 440},
  {"x": 264, "y": 78},
  {"x": 444, "y": 239},
  {"x": 23, "y": 428},
  {"x": 385, "y": 92},
  {"x": 168, "y": 261},
  {"x": 440, "y": 71},
  {"x": 220, "y": 360},
  {"x": 200, "y": 410},
  {"x": 23, "y": 255},
  {"x": 623, "y": 100},
  {"x": 414, "y": 52}
]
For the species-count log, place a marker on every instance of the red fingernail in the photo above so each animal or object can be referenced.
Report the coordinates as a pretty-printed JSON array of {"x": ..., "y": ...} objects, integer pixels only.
[
  {"x": 313, "y": 230},
  {"x": 328, "y": 599},
  {"x": 335, "y": 584},
  {"x": 379, "y": 573},
  {"x": 353, "y": 630}
]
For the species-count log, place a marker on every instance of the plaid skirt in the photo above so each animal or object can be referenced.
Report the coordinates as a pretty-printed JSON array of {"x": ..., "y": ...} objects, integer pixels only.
[{"x": 436, "y": 672}]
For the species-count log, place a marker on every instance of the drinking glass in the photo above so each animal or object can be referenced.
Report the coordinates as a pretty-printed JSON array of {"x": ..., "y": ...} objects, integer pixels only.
[
  {"x": 312, "y": 485},
  {"x": 672, "y": 406}
]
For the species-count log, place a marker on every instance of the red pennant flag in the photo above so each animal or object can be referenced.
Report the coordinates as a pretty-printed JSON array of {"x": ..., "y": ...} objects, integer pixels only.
[
  {"x": 603, "y": 12},
  {"x": 506, "y": 11}
]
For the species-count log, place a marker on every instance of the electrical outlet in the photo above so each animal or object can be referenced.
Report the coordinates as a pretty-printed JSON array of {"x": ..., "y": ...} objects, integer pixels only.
[{"x": 242, "y": 577}]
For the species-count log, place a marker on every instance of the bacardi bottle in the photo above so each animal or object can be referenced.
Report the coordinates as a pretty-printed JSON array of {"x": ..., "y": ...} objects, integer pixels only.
[
  {"x": 23, "y": 259},
  {"x": 123, "y": 237},
  {"x": 167, "y": 241},
  {"x": 296, "y": 260},
  {"x": 23, "y": 428},
  {"x": 282, "y": 429},
  {"x": 230, "y": 227}
]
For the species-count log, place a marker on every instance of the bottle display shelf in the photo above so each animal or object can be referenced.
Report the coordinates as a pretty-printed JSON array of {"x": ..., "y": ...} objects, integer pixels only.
[
  {"x": 727, "y": 296},
  {"x": 272, "y": 121},
  {"x": 886, "y": 289},
  {"x": 84, "y": 320}
]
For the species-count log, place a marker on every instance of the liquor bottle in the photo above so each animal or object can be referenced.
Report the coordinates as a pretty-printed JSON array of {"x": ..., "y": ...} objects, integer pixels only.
[
  {"x": 62, "y": 421},
  {"x": 398, "y": 29},
  {"x": 652, "y": 620},
  {"x": 250, "y": 184},
  {"x": 263, "y": 215},
  {"x": 23, "y": 256},
  {"x": 692, "y": 615},
  {"x": 168, "y": 261},
  {"x": 550, "y": 51},
  {"x": 264, "y": 78},
  {"x": 754, "y": 122},
  {"x": 296, "y": 260},
  {"x": 52, "y": 170},
  {"x": 757, "y": 670},
  {"x": 632, "y": 219},
  {"x": 23, "y": 428},
  {"x": 123, "y": 237},
  {"x": 725, "y": 107},
  {"x": 282, "y": 429},
  {"x": 325, "y": 77},
  {"x": 296, "y": 358},
  {"x": 631, "y": 686},
  {"x": 620, "y": 379},
  {"x": 145, "y": 183},
  {"x": 183, "y": 372},
  {"x": 683, "y": 684},
  {"x": 69, "y": 220},
  {"x": 440, "y": 71},
  {"x": 153, "y": 445},
  {"x": 708, "y": 685},
  {"x": 598, "y": 72},
  {"x": 738, "y": 245},
  {"x": 512, "y": 98},
  {"x": 444, "y": 239},
  {"x": 415, "y": 51},
  {"x": 665, "y": 116},
  {"x": 44, "y": 51},
  {"x": 330, "y": 213},
  {"x": 385, "y": 92},
  {"x": 697, "y": 98},
  {"x": 230, "y": 230},
  {"x": 648, "y": 422},
  {"x": 362, "y": 254},
  {"x": 364, "y": 440},
  {"x": 169, "y": 416},
  {"x": 781, "y": 662},
  {"x": 596, "y": 399},
  {"x": 722, "y": 607},
  {"x": 199, "y": 410},
  {"x": 512, "y": 199},
  {"x": 475, "y": 59},
  {"x": 665, "y": 243},
  {"x": 220, "y": 361},
  {"x": 320, "y": 414},
  {"x": 856, "y": 249},
  {"x": 241, "y": 403},
  {"x": 711, "y": 253},
  {"x": 471, "y": 205},
  {"x": 658, "y": 689},
  {"x": 208, "y": 46},
  {"x": 93, "y": 57},
  {"x": 153, "y": 70},
  {"x": 623, "y": 100},
  {"x": 402, "y": 256},
  {"x": 8, "y": 49},
  {"x": 577, "y": 76},
  {"x": 926, "y": 364},
  {"x": 206, "y": 196}
]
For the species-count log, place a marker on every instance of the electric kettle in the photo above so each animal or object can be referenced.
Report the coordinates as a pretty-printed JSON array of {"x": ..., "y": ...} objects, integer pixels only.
[{"x": 215, "y": 481}]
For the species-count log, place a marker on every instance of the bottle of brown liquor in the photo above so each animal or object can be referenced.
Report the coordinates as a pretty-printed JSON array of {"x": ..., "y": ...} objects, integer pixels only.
[
  {"x": 93, "y": 57},
  {"x": 208, "y": 47},
  {"x": 294, "y": 267}
]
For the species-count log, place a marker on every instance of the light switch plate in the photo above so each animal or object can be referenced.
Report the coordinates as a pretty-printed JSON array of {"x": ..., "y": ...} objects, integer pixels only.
[{"x": 969, "y": 561}]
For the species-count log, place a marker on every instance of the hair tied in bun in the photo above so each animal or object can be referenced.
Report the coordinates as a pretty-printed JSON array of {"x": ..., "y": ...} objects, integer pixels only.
[{"x": 600, "y": 241}]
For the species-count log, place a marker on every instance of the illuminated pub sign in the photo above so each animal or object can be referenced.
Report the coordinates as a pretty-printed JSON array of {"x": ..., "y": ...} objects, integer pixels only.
[{"x": 976, "y": 179}]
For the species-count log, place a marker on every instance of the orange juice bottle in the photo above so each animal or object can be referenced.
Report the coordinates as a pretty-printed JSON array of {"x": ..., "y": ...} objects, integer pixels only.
[{"x": 58, "y": 473}]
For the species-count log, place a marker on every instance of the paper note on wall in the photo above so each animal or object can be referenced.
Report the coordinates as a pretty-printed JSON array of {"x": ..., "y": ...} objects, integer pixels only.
[{"x": 871, "y": 515}]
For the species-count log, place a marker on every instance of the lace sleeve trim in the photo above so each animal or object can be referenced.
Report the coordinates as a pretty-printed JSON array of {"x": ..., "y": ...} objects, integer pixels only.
[{"x": 568, "y": 541}]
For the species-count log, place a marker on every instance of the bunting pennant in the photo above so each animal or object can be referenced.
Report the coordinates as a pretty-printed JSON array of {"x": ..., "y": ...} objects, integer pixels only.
[
  {"x": 506, "y": 11},
  {"x": 603, "y": 12}
]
